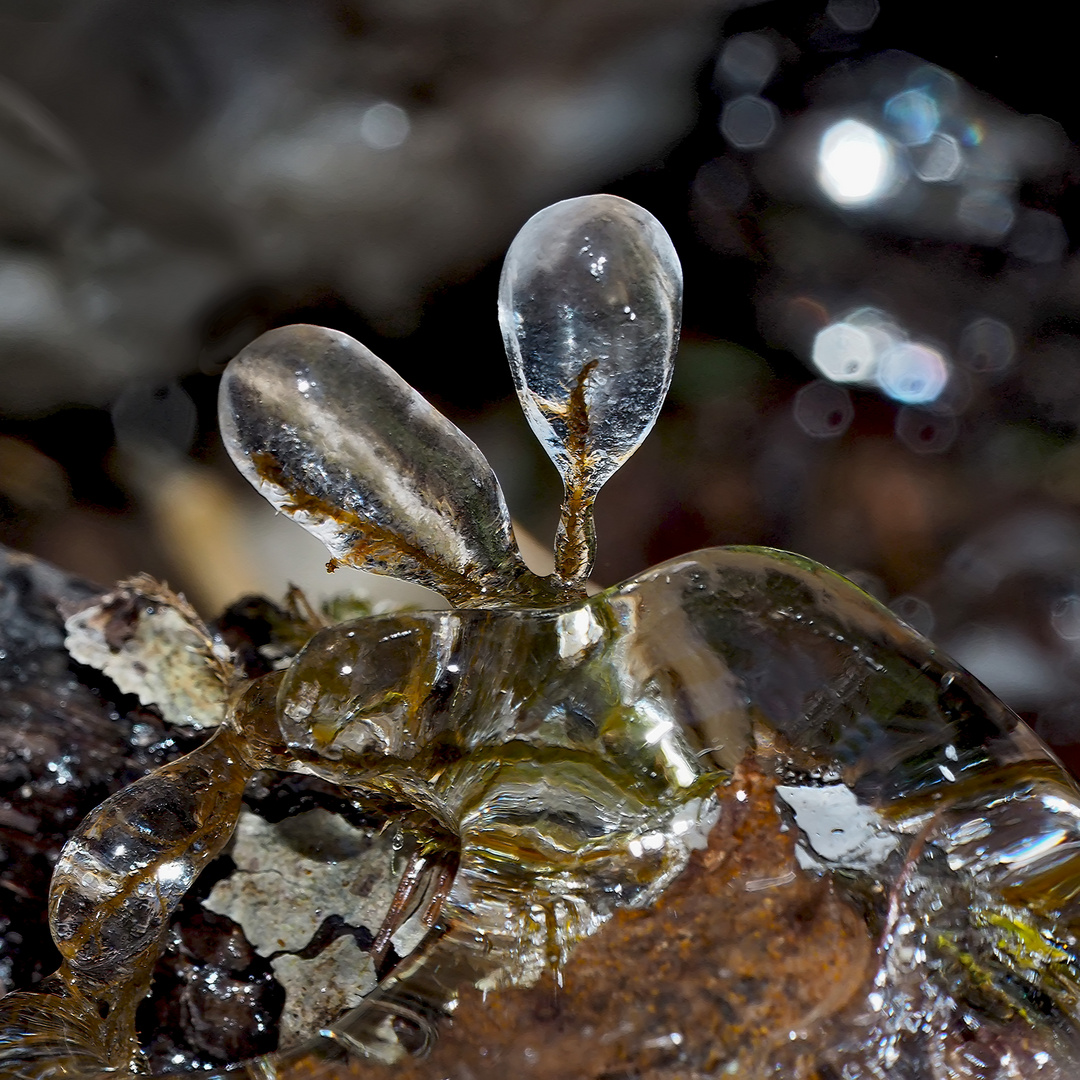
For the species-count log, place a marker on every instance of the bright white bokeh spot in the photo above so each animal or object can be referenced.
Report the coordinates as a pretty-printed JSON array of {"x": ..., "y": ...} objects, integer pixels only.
[
  {"x": 848, "y": 351},
  {"x": 844, "y": 353},
  {"x": 384, "y": 126},
  {"x": 856, "y": 163},
  {"x": 883, "y": 331},
  {"x": 912, "y": 373}
]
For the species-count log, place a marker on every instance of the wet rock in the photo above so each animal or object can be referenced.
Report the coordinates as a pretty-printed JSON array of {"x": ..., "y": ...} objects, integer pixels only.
[
  {"x": 291, "y": 876},
  {"x": 68, "y": 739}
]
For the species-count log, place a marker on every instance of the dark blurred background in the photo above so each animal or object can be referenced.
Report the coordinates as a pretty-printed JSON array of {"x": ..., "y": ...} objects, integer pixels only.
[{"x": 875, "y": 206}]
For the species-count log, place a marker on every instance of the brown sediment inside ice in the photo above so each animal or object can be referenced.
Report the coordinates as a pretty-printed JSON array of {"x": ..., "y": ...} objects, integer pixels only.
[{"x": 743, "y": 950}]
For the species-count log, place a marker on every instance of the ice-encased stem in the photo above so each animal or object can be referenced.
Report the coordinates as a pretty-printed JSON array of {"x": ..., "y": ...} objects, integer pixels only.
[
  {"x": 589, "y": 303},
  {"x": 116, "y": 886},
  {"x": 331, "y": 435}
]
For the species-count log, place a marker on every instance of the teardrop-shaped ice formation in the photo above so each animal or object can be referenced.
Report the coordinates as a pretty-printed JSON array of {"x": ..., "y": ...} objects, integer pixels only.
[
  {"x": 124, "y": 872},
  {"x": 589, "y": 302},
  {"x": 330, "y": 434}
]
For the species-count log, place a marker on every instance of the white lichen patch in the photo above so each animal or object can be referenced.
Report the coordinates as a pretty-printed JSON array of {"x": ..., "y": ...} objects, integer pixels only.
[
  {"x": 151, "y": 643},
  {"x": 293, "y": 875},
  {"x": 318, "y": 990}
]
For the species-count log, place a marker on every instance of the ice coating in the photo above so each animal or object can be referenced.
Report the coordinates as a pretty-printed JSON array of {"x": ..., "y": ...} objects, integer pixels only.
[
  {"x": 331, "y": 435},
  {"x": 966, "y": 856},
  {"x": 589, "y": 303},
  {"x": 574, "y": 759},
  {"x": 119, "y": 880},
  {"x": 730, "y": 817}
]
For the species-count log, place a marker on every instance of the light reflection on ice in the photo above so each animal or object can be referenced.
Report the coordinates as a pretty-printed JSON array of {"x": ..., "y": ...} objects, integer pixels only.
[{"x": 837, "y": 826}]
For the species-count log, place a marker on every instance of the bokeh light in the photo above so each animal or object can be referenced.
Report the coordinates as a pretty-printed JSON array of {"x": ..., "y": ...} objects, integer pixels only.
[
  {"x": 915, "y": 611},
  {"x": 747, "y": 62},
  {"x": 156, "y": 419},
  {"x": 1065, "y": 617},
  {"x": 986, "y": 214},
  {"x": 939, "y": 160},
  {"x": 844, "y": 353},
  {"x": 925, "y": 432},
  {"x": 912, "y": 373},
  {"x": 1038, "y": 237},
  {"x": 869, "y": 348},
  {"x": 748, "y": 122},
  {"x": 856, "y": 164},
  {"x": 913, "y": 115},
  {"x": 384, "y": 126},
  {"x": 849, "y": 350},
  {"x": 823, "y": 410},
  {"x": 986, "y": 345},
  {"x": 30, "y": 297},
  {"x": 853, "y": 16}
]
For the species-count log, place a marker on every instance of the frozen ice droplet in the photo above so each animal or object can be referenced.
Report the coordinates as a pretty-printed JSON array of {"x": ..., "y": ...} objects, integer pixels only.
[
  {"x": 589, "y": 302},
  {"x": 331, "y": 435}
]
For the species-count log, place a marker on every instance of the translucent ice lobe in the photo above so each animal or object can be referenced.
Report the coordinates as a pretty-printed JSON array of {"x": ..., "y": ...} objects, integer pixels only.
[
  {"x": 355, "y": 693},
  {"x": 589, "y": 302},
  {"x": 330, "y": 434},
  {"x": 118, "y": 882},
  {"x": 591, "y": 281}
]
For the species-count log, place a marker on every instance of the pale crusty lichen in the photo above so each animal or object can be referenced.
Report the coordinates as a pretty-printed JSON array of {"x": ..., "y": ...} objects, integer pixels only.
[
  {"x": 320, "y": 989},
  {"x": 151, "y": 643},
  {"x": 293, "y": 875}
]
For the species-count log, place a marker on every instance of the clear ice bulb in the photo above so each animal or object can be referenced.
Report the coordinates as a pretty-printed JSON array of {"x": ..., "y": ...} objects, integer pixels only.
[
  {"x": 331, "y": 435},
  {"x": 589, "y": 303}
]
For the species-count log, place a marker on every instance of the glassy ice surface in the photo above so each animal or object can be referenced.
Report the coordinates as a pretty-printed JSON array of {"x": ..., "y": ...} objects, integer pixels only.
[
  {"x": 730, "y": 818},
  {"x": 592, "y": 768},
  {"x": 330, "y": 434},
  {"x": 119, "y": 880},
  {"x": 583, "y": 740},
  {"x": 589, "y": 303}
]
